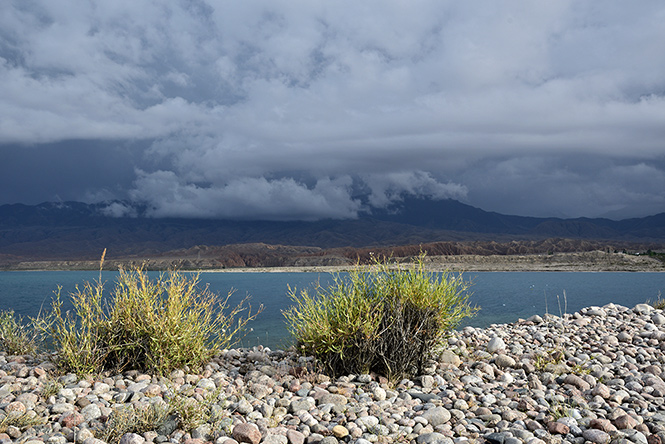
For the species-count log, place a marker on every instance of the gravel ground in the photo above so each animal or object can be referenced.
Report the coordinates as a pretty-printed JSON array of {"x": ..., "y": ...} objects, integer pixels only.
[{"x": 594, "y": 376}]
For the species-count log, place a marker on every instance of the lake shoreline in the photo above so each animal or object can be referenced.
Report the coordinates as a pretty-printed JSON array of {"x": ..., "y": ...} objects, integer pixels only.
[
  {"x": 593, "y": 376},
  {"x": 592, "y": 261}
]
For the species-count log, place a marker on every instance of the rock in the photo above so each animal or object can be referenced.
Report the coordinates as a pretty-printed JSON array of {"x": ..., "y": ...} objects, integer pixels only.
[
  {"x": 635, "y": 436},
  {"x": 295, "y": 437},
  {"x": 94, "y": 441},
  {"x": 504, "y": 361},
  {"x": 132, "y": 438},
  {"x": 658, "y": 319},
  {"x": 331, "y": 398},
  {"x": 169, "y": 425},
  {"x": 305, "y": 404},
  {"x": 432, "y": 438},
  {"x": 596, "y": 436},
  {"x": 654, "y": 439},
  {"x": 596, "y": 311},
  {"x": 496, "y": 438},
  {"x": 535, "y": 319},
  {"x": 71, "y": 419},
  {"x": 643, "y": 309},
  {"x": 275, "y": 439},
  {"x": 247, "y": 432},
  {"x": 557, "y": 428},
  {"x": 244, "y": 407},
  {"x": 340, "y": 431},
  {"x": 379, "y": 394},
  {"x": 601, "y": 390},
  {"x": 91, "y": 411},
  {"x": 329, "y": 440},
  {"x": 495, "y": 344},
  {"x": 577, "y": 382},
  {"x": 602, "y": 424},
  {"x": 437, "y": 416},
  {"x": 448, "y": 357},
  {"x": 625, "y": 422}
]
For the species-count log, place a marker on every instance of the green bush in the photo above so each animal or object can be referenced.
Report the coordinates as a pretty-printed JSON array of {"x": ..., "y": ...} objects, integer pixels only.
[
  {"x": 16, "y": 336},
  {"x": 150, "y": 325},
  {"x": 387, "y": 320}
]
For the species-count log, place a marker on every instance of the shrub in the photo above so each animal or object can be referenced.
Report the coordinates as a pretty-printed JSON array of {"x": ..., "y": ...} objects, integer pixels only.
[
  {"x": 150, "y": 325},
  {"x": 386, "y": 320},
  {"x": 16, "y": 336}
]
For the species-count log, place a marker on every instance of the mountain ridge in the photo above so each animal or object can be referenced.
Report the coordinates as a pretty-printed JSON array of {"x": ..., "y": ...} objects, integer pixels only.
[{"x": 79, "y": 231}]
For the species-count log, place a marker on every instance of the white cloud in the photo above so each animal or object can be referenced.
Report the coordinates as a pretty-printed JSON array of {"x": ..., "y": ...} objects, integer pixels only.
[
  {"x": 388, "y": 188},
  {"x": 234, "y": 95},
  {"x": 246, "y": 198}
]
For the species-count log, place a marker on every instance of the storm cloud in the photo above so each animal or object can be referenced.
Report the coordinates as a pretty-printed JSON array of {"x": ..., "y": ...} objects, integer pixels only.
[{"x": 286, "y": 110}]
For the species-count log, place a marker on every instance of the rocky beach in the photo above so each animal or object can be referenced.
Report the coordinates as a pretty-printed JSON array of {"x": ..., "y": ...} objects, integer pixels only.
[{"x": 594, "y": 376}]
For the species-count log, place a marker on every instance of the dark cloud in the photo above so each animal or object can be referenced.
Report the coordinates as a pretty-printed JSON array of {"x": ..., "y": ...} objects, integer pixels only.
[{"x": 285, "y": 110}]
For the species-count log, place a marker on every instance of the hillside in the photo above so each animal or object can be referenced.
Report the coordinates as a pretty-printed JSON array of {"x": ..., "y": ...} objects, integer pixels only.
[{"x": 74, "y": 231}]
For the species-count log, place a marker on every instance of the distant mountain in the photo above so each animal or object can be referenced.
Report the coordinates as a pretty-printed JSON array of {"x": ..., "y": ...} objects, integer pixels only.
[
  {"x": 453, "y": 215},
  {"x": 74, "y": 230}
]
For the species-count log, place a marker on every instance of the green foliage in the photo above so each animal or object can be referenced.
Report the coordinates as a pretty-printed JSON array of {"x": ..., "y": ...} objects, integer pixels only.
[
  {"x": 134, "y": 418},
  {"x": 553, "y": 356},
  {"x": 150, "y": 325},
  {"x": 22, "y": 421},
  {"x": 188, "y": 412},
  {"x": 386, "y": 319},
  {"x": 16, "y": 336},
  {"x": 193, "y": 412},
  {"x": 659, "y": 303}
]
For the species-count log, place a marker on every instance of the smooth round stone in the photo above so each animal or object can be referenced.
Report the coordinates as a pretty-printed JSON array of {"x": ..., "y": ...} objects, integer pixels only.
[
  {"x": 495, "y": 344},
  {"x": 275, "y": 439},
  {"x": 379, "y": 394},
  {"x": 596, "y": 436},
  {"x": 340, "y": 431},
  {"x": 437, "y": 416},
  {"x": 434, "y": 437},
  {"x": 504, "y": 361}
]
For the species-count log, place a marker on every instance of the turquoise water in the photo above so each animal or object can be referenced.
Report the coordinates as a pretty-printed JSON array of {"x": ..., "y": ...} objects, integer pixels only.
[{"x": 502, "y": 297}]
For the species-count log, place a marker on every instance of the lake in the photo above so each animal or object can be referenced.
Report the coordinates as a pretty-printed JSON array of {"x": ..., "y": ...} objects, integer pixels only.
[{"x": 502, "y": 296}]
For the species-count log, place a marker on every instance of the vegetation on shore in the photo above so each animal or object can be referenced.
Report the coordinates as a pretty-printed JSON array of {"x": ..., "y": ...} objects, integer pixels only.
[
  {"x": 149, "y": 325},
  {"x": 387, "y": 320}
]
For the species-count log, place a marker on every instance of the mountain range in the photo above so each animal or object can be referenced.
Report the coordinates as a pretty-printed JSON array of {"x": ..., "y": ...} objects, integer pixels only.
[{"x": 80, "y": 231}]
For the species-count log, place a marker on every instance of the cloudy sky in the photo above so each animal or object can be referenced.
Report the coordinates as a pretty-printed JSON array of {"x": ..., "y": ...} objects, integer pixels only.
[{"x": 306, "y": 109}]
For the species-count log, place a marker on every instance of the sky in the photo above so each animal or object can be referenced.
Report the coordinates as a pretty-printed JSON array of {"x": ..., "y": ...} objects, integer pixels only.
[{"x": 306, "y": 110}]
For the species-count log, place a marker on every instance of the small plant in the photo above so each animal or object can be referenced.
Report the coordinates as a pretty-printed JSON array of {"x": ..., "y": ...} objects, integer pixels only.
[
  {"x": 194, "y": 412},
  {"x": 149, "y": 325},
  {"x": 387, "y": 320},
  {"x": 578, "y": 369},
  {"x": 554, "y": 356},
  {"x": 560, "y": 410},
  {"x": 50, "y": 388},
  {"x": 16, "y": 336},
  {"x": 134, "y": 419},
  {"x": 22, "y": 421},
  {"x": 659, "y": 303}
]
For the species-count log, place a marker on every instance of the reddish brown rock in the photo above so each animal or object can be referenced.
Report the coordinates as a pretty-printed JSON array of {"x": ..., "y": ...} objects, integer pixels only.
[
  {"x": 625, "y": 422},
  {"x": 295, "y": 437},
  {"x": 247, "y": 432},
  {"x": 557, "y": 428},
  {"x": 71, "y": 419},
  {"x": 602, "y": 424},
  {"x": 654, "y": 439}
]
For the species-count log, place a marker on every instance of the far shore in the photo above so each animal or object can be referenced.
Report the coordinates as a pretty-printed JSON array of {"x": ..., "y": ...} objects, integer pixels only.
[{"x": 592, "y": 261}]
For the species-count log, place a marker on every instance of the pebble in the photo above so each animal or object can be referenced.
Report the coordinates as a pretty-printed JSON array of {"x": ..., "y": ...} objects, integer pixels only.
[{"x": 595, "y": 376}]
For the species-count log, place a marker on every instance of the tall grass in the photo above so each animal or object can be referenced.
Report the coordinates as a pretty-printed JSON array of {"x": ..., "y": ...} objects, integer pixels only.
[
  {"x": 151, "y": 325},
  {"x": 18, "y": 337},
  {"x": 384, "y": 319}
]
